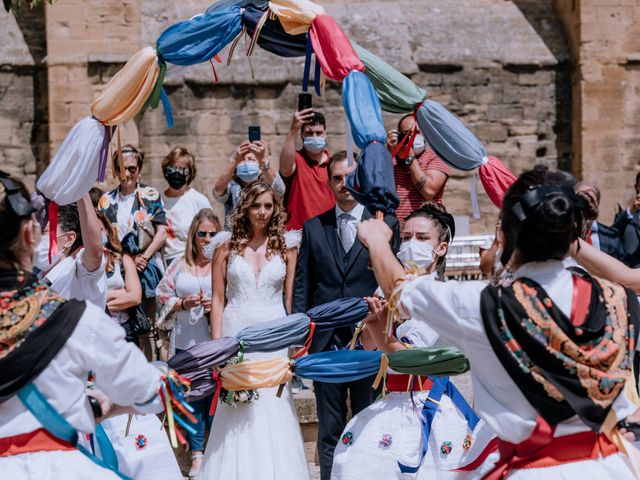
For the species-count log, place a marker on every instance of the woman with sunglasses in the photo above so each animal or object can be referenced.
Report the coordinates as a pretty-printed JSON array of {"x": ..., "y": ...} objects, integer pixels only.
[
  {"x": 137, "y": 213},
  {"x": 184, "y": 300},
  {"x": 181, "y": 201}
]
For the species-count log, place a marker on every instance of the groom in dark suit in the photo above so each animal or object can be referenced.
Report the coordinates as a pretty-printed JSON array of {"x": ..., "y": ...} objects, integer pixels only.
[{"x": 333, "y": 264}]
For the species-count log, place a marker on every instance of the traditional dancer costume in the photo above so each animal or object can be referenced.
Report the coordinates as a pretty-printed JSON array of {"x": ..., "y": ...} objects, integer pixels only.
[
  {"x": 47, "y": 346},
  {"x": 142, "y": 449},
  {"x": 387, "y": 439},
  {"x": 551, "y": 362},
  {"x": 423, "y": 428}
]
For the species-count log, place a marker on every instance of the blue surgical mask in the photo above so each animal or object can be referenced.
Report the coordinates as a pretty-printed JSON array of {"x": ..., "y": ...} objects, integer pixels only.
[
  {"x": 248, "y": 171},
  {"x": 314, "y": 144},
  {"x": 105, "y": 239}
]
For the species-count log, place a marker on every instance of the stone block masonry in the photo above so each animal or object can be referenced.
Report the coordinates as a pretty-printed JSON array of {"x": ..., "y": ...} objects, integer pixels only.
[{"x": 516, "y": 72}]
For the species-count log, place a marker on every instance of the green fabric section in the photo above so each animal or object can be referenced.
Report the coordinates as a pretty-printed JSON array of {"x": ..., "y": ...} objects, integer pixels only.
[
  {"x": 154, "y": 98},
  {"x": 397, "y": 93},
  {"x": 434, "y": 362}
]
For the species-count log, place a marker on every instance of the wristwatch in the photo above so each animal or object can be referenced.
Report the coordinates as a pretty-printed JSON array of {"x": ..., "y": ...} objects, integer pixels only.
[
  {"x": 409, "y": 160},
  {"x": 265, "y": 166}
]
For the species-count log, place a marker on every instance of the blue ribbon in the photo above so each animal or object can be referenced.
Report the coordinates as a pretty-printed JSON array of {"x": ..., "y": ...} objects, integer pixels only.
[
  {"x": 166, "y": 106},
  {"x": 316, "y": 78},
  {"x": 57, "y": 425},
  {"x": 441, "y": 386},
  {"x": 107, "y": 452},
  {"x": 307, "y": 65},
  {"x": 338, "y": 366}
]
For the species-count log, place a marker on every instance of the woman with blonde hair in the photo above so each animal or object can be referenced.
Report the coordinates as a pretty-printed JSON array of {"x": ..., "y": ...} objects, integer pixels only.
[
  {"x": 123, "y": 285},
  {"x": 184, "y": 301},
  {"x": 181, "y": 201},
  {"x": 253, "y": 270}
]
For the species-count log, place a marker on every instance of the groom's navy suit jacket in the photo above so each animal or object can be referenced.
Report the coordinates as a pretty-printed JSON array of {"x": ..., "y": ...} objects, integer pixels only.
[{"x": 325, "y": 272}]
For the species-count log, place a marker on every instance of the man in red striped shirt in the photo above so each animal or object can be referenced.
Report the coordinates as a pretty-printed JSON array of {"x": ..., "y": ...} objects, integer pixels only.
[{"x": 421, "y": 175}]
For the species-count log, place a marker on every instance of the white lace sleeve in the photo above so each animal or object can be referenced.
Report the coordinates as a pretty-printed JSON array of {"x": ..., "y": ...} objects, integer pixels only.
[
  {"x": 293, "y": 238},
  {"x": 220, "y": 239}
]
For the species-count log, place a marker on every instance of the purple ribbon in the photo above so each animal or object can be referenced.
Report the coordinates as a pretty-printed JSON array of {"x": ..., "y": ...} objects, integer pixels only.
[{"x": 104, "y": 151}]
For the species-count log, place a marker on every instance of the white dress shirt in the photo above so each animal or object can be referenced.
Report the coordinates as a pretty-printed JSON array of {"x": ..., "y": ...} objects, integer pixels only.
[{"x": 348, "y": 226}]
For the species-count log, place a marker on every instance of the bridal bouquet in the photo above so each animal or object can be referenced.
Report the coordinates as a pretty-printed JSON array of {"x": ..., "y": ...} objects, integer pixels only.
[{"x": 237, "y": 398}]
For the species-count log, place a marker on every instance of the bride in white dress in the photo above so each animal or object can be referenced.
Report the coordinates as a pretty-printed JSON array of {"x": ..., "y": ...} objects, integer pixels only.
[{"x": 254, "y": 272}]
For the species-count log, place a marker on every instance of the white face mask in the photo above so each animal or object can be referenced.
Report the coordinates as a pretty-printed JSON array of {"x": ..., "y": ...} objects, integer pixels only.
[
  {"x": 416, "y": 253},
  {"x": 41, "y": 255},
  {"x": 419, "y": 145}
]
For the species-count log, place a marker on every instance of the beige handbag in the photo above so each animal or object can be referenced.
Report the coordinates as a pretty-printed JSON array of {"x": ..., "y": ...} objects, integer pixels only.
[{"x": 146, "y": 231}]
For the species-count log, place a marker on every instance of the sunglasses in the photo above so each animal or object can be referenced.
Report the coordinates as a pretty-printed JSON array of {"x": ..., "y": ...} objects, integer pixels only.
[
  {"x": 202, "y": 234},
  {"x": 132, "y": 169}
]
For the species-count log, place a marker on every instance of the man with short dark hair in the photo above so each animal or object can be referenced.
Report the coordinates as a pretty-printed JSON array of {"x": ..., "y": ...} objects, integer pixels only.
[
  {"x": 305, "y": 171},
  {"x": 333, "y": 264},
  {"x": 420, "y": 175}
]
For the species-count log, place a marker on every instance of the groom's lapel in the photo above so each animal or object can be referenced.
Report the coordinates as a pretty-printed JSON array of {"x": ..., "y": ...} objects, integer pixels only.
[{"x": 329, "y": 225}]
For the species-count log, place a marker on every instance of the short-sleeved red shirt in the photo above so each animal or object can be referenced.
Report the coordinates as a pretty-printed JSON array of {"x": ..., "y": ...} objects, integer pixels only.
[
  {"x": 410, "y": 198},
  {"x": 308, "y": 193}
]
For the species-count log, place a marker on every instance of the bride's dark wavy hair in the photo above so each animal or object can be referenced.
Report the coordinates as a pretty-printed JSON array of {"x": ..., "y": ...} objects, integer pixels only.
[{"x": 241, "y": 228}]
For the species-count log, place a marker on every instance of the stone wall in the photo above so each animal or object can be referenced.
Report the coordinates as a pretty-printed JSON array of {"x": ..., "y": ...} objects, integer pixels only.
[
  {"x": 501, "y": 65},
  {"x": 504, "y": 82},
  {"x": 24, "y": 144},
  {"x": 604, "y": 38}
]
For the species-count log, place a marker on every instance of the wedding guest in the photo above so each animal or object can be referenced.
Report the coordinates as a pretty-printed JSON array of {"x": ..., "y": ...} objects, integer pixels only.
[
  {"x": 184, "y": 298},
  {"x": 248, "y": 164},
  {"x": 305, "y": 171},
  {"x": 181, "y": 201},
  {"x": 420, "y": 175},
  {"x": 123, "y": 285},
  {"x": 137, "y": 213}
]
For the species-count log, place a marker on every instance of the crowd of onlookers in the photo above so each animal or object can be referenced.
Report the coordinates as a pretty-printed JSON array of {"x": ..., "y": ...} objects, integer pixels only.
[{"x": 144, "y": 230}]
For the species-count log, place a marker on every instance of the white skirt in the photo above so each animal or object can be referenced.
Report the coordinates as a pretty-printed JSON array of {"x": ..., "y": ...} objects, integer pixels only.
[
  {"x": 145, "y": 454},
  {"x": 260, "y": 440},
  {"x": 67, "y": 465},
  {"x": 390, "y": 431}
]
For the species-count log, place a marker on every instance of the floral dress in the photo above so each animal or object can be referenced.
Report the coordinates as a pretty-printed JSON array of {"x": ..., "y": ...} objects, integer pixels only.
[{"x": 146, "y": 207}]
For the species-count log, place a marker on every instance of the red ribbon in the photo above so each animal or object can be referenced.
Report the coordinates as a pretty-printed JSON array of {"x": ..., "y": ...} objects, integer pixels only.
[
  {"x": 216, "y": 396},
  {"x": 581, "y": 300},
  {"x": 307, "y": 342},
  {"x": 543, "y": 450},
  {"x": 53, "y": 229}
]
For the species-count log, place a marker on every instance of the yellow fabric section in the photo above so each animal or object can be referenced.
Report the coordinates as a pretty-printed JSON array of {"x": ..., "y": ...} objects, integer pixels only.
[
  {"x": 296, "y": 15},
  {"x": 252, "y": 375},
  {"x": 127, "y": 92},
  {"x": 382, "y": 374}
]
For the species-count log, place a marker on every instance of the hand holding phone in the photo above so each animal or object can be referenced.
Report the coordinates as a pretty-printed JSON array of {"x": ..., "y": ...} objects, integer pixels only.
[
  {"x": 304, "y": 101},
  {"x": 254, "y": 133}
]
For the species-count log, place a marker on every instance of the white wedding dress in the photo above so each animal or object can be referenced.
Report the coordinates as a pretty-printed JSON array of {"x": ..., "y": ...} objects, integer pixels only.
[{"x": 262, "y": 439}]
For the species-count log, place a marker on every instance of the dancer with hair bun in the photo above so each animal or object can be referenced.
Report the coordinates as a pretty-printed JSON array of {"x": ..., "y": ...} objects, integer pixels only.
[{"x": 551, "y": 354}]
